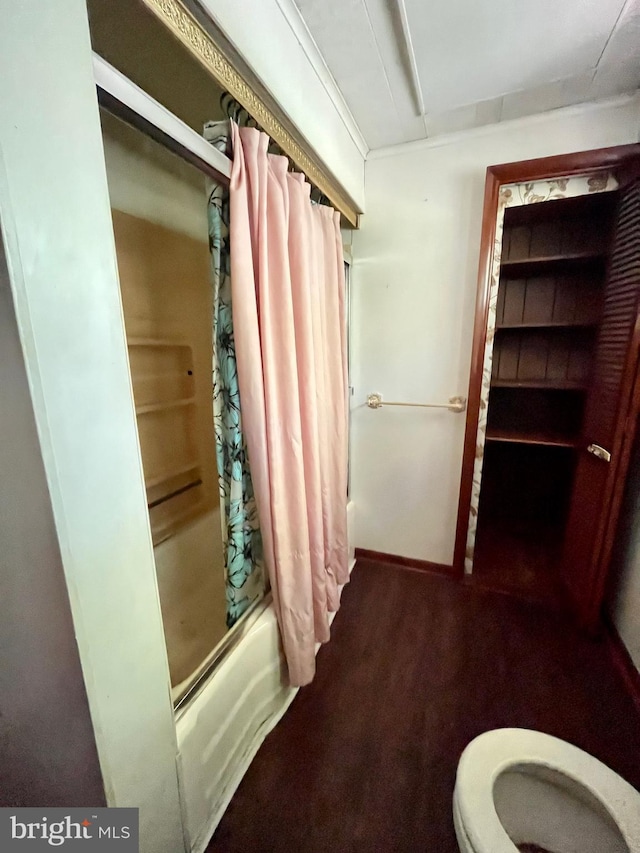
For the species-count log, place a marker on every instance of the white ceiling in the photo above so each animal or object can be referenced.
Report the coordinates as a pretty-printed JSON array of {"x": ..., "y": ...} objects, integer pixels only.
[{"x": 478, "y": 61}]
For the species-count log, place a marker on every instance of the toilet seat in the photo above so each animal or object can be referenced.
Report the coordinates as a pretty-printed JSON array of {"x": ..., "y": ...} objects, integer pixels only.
[{"x": 497, "y": 751}]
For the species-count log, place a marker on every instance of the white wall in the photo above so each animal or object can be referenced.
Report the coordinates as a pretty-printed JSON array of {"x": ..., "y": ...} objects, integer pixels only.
[
  {"x": 62, "y": 264},
  {"x": 269, "y": 36},
  {"x": 413, "y": 299}
]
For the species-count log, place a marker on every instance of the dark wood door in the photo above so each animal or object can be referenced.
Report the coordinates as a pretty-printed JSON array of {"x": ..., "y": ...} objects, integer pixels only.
[{"x": 611, "y": 406}]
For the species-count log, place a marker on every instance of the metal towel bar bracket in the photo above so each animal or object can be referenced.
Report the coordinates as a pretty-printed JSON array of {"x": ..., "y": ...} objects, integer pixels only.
[{"x": 455, "y": 404}]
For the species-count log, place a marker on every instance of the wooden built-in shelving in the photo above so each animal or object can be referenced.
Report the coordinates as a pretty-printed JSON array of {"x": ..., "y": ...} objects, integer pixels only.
[
  {"x": 162, "y": 371},
  {"x": 547, "y": 384},
  {"x": 165, "y": 404},
  {"x": 152, "y": 482},
  {"x": 167, "y": 305},
  {"x": 551, "y": 324},
  {"x": 559, "y": 325},
  {"x": 549, "y": 264},
  {"x": 547, "y": 312},
  {"x": 545, "y": 438}
]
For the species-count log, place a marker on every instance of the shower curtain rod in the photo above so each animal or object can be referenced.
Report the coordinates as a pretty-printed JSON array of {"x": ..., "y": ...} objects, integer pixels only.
[{"x": 234, "y": 110}]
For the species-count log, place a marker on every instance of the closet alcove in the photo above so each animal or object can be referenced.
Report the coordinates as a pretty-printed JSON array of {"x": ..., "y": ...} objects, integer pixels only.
[
  {"x": 563, "y": 396},
  {"x": 549, "y": 307}
]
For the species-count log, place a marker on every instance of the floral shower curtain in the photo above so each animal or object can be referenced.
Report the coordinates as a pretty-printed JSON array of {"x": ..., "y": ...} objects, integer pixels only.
[{"x": 244, "y": 568}]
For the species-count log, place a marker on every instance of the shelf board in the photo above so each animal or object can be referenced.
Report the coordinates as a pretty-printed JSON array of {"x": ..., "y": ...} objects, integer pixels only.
[
  {"x": 166, "y": 404},
  {"x": 560, "y": 210},
  {"x": 548, "y": 263},
  {"x": 166, "y": 527},
  {"x": 560, "y": 324},
  {"x": 550, "y": 384},
  {"x": 170, "y": 475},
  {"x": 156, "y": 342},
  {"x": 546, "y": 438}
]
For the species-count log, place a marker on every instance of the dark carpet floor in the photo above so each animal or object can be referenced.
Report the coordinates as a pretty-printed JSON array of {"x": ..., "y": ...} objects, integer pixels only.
[{"x": 418, "y": 665}]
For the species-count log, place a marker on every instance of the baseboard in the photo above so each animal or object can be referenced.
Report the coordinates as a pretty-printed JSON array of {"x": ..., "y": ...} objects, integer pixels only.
[
  {"x": 623, "y": 662},
  {"x": 405, "y": 562}
]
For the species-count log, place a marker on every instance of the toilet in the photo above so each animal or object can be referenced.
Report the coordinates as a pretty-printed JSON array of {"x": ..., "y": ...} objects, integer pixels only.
[{"x": 521, "y": 790}]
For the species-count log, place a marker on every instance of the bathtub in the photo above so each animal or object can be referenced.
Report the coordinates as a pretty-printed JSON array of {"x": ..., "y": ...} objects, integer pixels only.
[{"x": 222, "y": 727}]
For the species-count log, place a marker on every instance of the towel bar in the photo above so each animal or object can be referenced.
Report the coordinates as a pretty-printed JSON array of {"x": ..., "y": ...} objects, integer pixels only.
[{"x": 455, "y": 404}]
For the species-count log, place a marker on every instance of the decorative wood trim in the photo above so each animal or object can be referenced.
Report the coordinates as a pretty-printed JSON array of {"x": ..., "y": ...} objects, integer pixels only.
[
  {"x": 216, "y": 57},
  {"x": 544, "y": 168},
  {"x": 405, "y": 562},
  {"x": 623, "y": 662},
  {"x": 564, "y": 165}
]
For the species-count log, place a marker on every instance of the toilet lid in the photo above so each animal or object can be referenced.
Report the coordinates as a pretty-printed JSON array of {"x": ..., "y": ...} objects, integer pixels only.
[{"x": 494, "y": 752}]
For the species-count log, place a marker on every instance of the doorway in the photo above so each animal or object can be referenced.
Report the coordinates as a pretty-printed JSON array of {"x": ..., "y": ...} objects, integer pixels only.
[{"x": 542, "y": 359}]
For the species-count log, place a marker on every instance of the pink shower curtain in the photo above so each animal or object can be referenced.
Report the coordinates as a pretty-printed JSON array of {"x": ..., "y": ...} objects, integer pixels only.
[{"x": 287, "y": 279}]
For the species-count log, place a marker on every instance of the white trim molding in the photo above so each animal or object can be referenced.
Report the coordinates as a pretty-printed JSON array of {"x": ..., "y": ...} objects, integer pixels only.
[
  {"x": 170, "y": 127},
  {"x": 301, "y": 31}
]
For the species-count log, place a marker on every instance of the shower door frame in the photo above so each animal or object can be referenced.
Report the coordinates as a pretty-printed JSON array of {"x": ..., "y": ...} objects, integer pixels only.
[
  {"x": 118, "y": 95},
  {"x": 121, "y": 97}
]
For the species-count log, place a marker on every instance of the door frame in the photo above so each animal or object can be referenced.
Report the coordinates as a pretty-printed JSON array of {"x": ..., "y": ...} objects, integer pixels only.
[{"x": 523, "y": 171}]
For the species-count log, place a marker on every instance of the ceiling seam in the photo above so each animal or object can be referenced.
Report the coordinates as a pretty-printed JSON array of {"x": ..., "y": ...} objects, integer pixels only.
[
  {"x": 336, "y": 96},
  {"x": 413, "y": 63},
  {"x": 378, "y": 51},
  {"x": 610, "y": 36}
]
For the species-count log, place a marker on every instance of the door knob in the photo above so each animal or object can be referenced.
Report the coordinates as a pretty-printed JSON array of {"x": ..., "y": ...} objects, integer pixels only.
[{"x": 600, "y": 452}]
